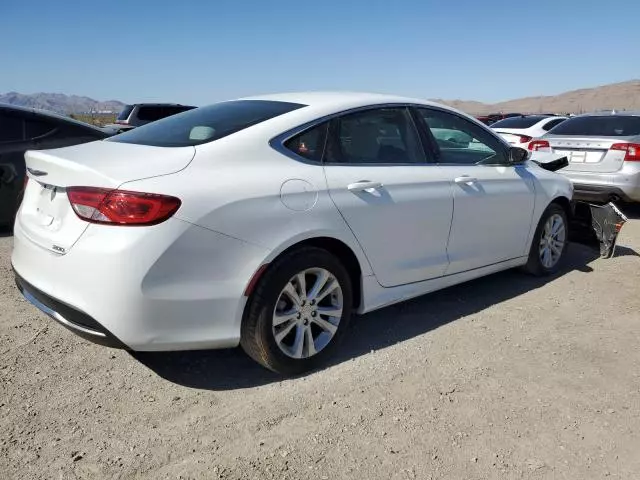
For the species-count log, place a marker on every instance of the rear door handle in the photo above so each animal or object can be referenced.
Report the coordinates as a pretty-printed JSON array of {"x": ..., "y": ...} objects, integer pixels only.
[
  {"x": 364, "y": 185},
  {"x": 466, "y": 179}
]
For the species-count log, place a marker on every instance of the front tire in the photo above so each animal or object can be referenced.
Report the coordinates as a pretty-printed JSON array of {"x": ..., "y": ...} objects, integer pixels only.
[
  {"x": 298, "y": 312},
  {"x": 550, "y": 242}
]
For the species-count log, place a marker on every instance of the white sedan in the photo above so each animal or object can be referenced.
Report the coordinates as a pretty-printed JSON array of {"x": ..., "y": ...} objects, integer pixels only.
[
  {"x": 268, "y": 221},
  {"x": 519, "y": 131}
]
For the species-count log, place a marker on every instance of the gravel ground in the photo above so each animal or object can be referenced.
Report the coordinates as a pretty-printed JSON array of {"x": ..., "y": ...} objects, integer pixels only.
[{"x": 504, "y": 377}]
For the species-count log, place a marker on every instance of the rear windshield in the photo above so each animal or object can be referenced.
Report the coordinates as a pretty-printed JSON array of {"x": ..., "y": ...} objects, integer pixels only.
[
  {"x": 126, "y": 111},
  {"x": 518, "y": 122},
  {"x": 601, "y": 126},
  {"x": 205, "y": 124}
]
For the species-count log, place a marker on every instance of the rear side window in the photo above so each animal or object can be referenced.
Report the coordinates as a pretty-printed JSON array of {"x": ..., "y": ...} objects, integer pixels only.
[
  {"x": 549, "y": 125},
  {"x": 150, "y": 114},
  {"x": 126, "y": 111},
  {"x": 205, "y": 124},
  {"x": 602, "y": 126},
  {"x": 378, "y": 136},
  {"x": 11, "y": 128},
  {"x": 309, "y": 144},
  {"x": 517, "y": 122},
  {"x": 38, "y": 128}
]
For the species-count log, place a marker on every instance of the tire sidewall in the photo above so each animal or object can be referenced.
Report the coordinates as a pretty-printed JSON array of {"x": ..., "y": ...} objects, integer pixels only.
[
  {"x": 264, "y": 305},
  {"x": 535, "y": 263}
]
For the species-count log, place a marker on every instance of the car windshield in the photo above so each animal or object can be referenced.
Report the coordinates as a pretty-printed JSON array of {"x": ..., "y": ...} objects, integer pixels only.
[
  {"x": 601, "y": 126},
  {"x": 205, "y": 124},
  {"x": 126, "y": 111},
  {"x": 518, "y": 122}
]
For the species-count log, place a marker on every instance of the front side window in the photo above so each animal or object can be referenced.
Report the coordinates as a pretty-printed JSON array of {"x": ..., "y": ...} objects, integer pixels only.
[
  {"x": 461, "y": 142},
  {"x": 379, "y": 136},
  {"x": 11, "y": 128},
  {"x": 310, "y": 143},
  {"x": 205, "y": 124}
]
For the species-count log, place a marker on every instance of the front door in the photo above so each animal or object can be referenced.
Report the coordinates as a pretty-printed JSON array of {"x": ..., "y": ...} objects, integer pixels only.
[
  {"x": 493, "y": 200},
  {"x": 398, "y": 205}
]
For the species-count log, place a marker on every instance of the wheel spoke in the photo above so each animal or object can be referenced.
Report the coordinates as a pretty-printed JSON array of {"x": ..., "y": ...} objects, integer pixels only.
[
  {"x": 321, "y": 278},
  {"x": 556, "y": 247},
  {"x": 284, "y": 332},
  {"x": 290, "y": 291},
  {"x": 298, "y": 342},
  {"x": 330, "y": 311},
  {"x": 560, "y": 232},
  {"x": 325, "y": 325},
  {"x": 311, "y": 347},
  {"x": 329, "y": 287},
  {"x": 302, "y": 284},
  {"x": 282, "y": 317}
]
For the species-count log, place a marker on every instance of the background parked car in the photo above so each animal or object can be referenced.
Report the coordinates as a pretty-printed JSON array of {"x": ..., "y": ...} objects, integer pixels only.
[
  {"x": 603, "y": 152},
  {"x": 139, "y": 114},
  {"x": 521, "y": 130},
  {"x": 23, "y": 129}
]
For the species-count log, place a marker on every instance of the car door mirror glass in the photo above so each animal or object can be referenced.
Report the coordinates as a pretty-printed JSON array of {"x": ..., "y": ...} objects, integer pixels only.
[{"x": 518, "y": 155}]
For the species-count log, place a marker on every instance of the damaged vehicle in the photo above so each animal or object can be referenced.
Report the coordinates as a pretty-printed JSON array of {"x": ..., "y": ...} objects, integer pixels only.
[{"x": 267, "y": 222}]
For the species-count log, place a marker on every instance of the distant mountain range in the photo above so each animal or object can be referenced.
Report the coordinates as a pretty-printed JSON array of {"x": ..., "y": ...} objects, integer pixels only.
[
  {"x": 60, "y": 103},
  {"x": 619, "y": 96}
]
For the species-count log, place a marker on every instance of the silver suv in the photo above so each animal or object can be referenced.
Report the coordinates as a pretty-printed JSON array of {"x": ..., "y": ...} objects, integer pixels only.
[
  {"x": 139, "y": 114},
  {"x": 603, "y": 150}
]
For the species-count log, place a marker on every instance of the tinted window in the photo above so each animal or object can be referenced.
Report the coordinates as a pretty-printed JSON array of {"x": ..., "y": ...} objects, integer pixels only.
[
  {"x": 309, "y": 144},
  {"x": 549, "y": 125},
  {"x": 517, "y": 122},
  {"x": 460, "y": 141},
  {"x": 205, "y": 124},
  {"x": 11, "y": 128},
  {"x": 126, "y": 111},
  {"x": 602, "y": 126},
  {"x": 38, "y": 128},
  {"x": 385, "y": 135},
  {"x": 150, "y": 114}
]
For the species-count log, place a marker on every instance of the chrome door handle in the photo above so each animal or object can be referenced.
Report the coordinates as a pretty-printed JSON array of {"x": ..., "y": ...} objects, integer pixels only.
[
  {"x": 364, "y": 185},
  {"x": 466, "y": 179}
]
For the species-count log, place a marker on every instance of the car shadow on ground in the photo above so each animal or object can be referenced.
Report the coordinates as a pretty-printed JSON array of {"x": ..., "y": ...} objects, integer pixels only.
[
  {"x": 232, "y": 369},
  {"x": 5, "y": 232}
]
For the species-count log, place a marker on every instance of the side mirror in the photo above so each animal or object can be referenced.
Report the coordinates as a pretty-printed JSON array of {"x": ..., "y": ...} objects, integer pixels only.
[{"x": 518, "y": 156}]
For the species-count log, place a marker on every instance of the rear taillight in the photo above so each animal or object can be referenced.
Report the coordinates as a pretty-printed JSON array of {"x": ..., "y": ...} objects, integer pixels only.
[
  {"x": 524, "y": 139},
  {"x": 119, "y": 207},
  {"x": 632, "y": 151},
  {"x": 538, "y": 145}
]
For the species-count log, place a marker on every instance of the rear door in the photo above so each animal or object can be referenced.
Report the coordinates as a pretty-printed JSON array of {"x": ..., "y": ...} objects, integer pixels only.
[
  {"x": 397, "y": 204},
  {"x": 493, "y": 200}
]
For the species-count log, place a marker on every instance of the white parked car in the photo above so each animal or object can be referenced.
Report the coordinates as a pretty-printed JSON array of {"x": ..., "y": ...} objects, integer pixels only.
[
  {"x": 268, "y": 221},
  {"x": 519, "y": 131}
]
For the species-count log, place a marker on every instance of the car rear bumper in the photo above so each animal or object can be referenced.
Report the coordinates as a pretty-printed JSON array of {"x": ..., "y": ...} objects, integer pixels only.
[
  {"x": 173, "y": 286},
  {"x": 624, "y": 184}
]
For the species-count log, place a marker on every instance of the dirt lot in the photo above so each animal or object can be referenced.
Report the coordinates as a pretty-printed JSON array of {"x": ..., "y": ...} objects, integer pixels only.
[{"x": 505, "y": 377}]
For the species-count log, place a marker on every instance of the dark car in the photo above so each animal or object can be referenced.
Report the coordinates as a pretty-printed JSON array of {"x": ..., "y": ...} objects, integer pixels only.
[
  {"x": 23, "y": 129},
  {"x": 138, "y": 114}
]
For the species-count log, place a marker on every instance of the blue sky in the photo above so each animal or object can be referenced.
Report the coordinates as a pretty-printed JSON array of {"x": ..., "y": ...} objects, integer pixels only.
[{"x": 199, "y": 51}]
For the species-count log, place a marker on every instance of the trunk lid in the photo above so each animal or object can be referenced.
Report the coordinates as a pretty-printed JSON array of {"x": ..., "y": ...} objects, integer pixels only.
[
  {"x": 589, "y": 154},
  {"x": 512, "y": 135},
  {"x": 47, "y": 218}
]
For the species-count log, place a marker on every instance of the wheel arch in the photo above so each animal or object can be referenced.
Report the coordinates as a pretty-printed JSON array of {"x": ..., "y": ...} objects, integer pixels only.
[{"x": 337, "y": 247}]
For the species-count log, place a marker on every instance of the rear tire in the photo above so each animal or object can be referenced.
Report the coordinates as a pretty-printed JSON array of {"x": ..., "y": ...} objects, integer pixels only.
[
  {"x": 550, "y": 242},
  {"x": 298, "y": 312}
]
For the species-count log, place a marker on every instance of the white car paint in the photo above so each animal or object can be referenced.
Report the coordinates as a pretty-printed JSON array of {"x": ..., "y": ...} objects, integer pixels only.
[
  {"x": 537, "y": 130},
  {"x": 180, "y": 284}
]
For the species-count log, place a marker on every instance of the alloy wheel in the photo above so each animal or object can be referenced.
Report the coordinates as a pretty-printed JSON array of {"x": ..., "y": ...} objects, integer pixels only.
[
  {"x": 552, "y": 241},
  {"x": 307, "y": 313}
]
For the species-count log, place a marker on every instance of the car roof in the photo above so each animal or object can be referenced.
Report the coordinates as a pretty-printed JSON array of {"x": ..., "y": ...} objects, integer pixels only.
[
  {"x": 340, "y": 99},
  {"x": 159, "y": 105},
  {"x": 47, "y": 113},
  {"x": 605, "y": 113}
]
